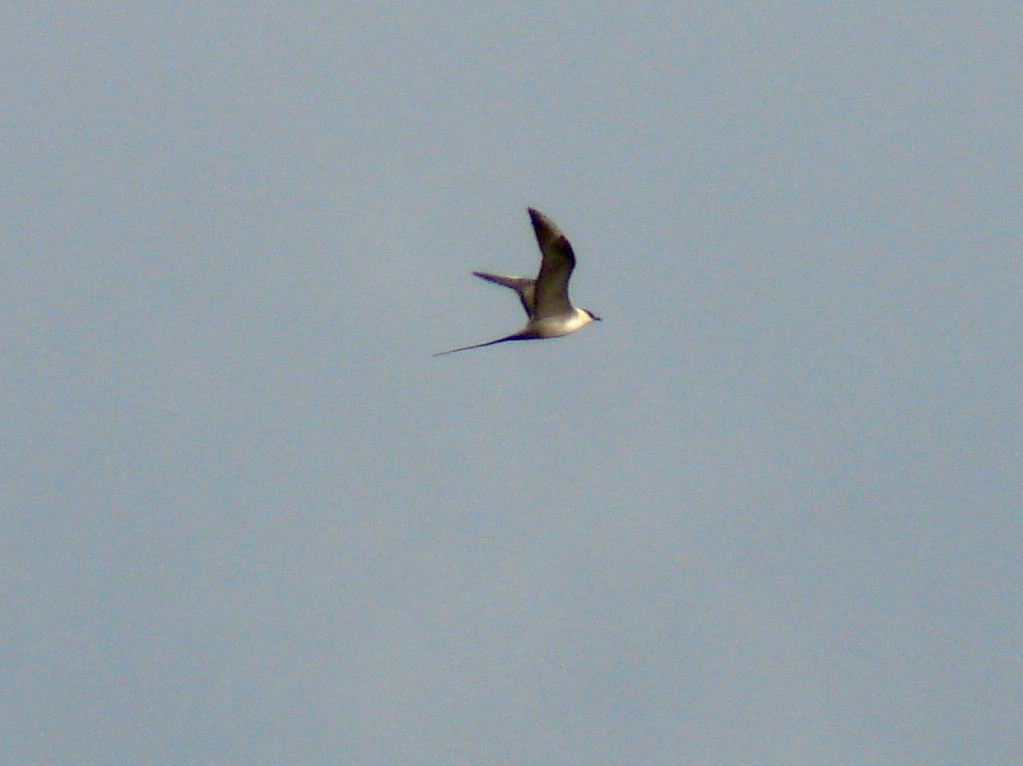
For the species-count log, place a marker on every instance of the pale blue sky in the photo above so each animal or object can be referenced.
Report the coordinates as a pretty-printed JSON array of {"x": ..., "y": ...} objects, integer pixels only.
[{"x": 767, "y": 512}]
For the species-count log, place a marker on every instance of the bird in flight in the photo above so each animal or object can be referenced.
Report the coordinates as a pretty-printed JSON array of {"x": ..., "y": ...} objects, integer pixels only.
[{"x": 545, "y": 298}]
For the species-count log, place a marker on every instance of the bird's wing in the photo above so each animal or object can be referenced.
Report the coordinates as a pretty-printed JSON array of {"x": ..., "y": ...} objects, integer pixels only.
[
  {"x": 555, "y": 269},
  {"x": 522, "y": 285}
]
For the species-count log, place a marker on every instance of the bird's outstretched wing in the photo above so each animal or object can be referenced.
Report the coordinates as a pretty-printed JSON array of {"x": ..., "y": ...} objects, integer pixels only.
[
  {"x": 555, "y": 268},
  {"x": 522, "y": 285}
]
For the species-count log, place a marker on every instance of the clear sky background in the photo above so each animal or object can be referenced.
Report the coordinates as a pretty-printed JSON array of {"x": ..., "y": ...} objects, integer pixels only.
[{"x": 767, "y": 512}]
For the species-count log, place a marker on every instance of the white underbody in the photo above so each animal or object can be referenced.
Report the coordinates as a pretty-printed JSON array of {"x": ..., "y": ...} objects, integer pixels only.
[{"x": 556, "y": 326}]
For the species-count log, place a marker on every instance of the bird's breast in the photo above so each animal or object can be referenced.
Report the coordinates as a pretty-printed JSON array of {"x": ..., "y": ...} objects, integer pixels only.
[{"x": 555, "y": 327}]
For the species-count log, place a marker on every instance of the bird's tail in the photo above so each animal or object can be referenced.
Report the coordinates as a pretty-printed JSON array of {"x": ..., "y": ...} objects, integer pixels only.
[{"x": 517, "y": 336}]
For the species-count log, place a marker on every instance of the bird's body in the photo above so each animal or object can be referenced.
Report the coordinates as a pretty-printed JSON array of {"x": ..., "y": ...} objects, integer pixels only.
[{"x": 544, "y": 299}]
